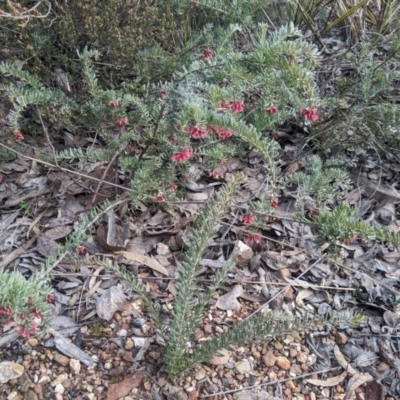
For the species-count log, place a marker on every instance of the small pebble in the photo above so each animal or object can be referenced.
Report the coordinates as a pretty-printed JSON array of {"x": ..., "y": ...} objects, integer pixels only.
[
  {"x": 75, "y": 366},
  {"x": 269, "y": 359},
  {"x": 33, "y": 342},
  {"x": 283, "y": 363},
  {"x": 61, "y": 359},
  {"x": 129, "y": 344}
]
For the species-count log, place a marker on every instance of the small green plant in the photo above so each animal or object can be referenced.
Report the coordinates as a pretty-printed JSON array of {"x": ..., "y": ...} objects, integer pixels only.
[
  {"x": 24, "y": 304},
  {"x": 341, "y": 226},
  {"x": 319, "y": 183}
]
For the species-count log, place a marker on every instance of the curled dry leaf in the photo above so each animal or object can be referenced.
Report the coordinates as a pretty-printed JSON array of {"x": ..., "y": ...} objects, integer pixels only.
[
  {"x": 121, "y": 389},
  {"x": 303, "y": 294},
  {"x": 146, "y": 260},
  {"x": 342, "y": 361},
  {"x": 356, "y": 381},
  {"x": 328, "y": 382}
]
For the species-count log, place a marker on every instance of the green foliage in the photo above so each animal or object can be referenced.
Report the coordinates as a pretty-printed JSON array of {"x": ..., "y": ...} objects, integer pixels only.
[
  {"x": 23, "y": 303},
  {"x": 319, "y": 183},
  {"x": 371, "y": 109},
  {"x": 267, "y": 76},
  {"x": 341, "y": 226},
  {"x": 356, "y": 16}
]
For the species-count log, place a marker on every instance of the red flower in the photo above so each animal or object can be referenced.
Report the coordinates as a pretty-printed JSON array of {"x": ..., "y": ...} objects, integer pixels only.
[
  {"x": 122, "y": 121},
  {"x": 274, "y": 203},
  {"x": 6, "y": 131},
  {"x": 256, "y": 238},
  {"x": 197, "y": 133},
  {"x": 113, "y": 104},
  {"x": 2, "y": 122},
  {"x": 173, "y": 187},
  {"x": 182, "y": 157},
  {"x": 81, "y": 250},
  {"x": 5, "y": 311},
  {"x": 160, "y": 197},
  {"x": 18, "y": 137},
  {"x": 237, "y": 107},
  {"x": 24, "y": 334},
  {"x": 224, "y": 134},
  {"x": 50, "y": 298},
  {"x": 247, "y": 219},
  {"x": 33, "y": 327},
  {"x": 162, "y": 95},
  {"x": 195, "y": 4},
  {"x": 208, "y": 54},
  {"x": 272, "y": 110},
  {"x": 217, "y": 175},
  {"x": 309, "y": 114}
]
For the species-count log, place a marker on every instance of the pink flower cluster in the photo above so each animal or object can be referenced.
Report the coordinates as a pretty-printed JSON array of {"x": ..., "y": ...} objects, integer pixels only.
[
  {"x": 235, "y": 106},
  {"x": 5, "y": 311},
  {"x": 160, "y": 198},
  {"x": 309, "y": 114},
  {"x": 18, "y": 137},
  {"x": 247, "y": 219},
  {"x": 272, "y": 110},
  {"x": 81, "y": 250},
  {"x": 162, "y": 95},
  {"x": 197, "y": 133},
  {"x": 19, "y": 321},
  {"x": 123, "y": 121},
  {"x": 182, "y": 156},
  {"x": 222, "y": 133},
  {"x": 217, "y": 174},
  {"x": 208, "y": 54},
  {"x": 256, "y": 238}
]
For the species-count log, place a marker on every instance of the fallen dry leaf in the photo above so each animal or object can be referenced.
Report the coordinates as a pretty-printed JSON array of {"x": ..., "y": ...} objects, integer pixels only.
[
  {"x": 328, "y": 382},
  {"x": 356, "y": 381},
  {"x": 342, "y": 361},
  {"x": 146, "y": 260},
  {"x": 294, "y": 167},
  {"x": 121, "y": 389},
  {"x": 303, "y": 294}
]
